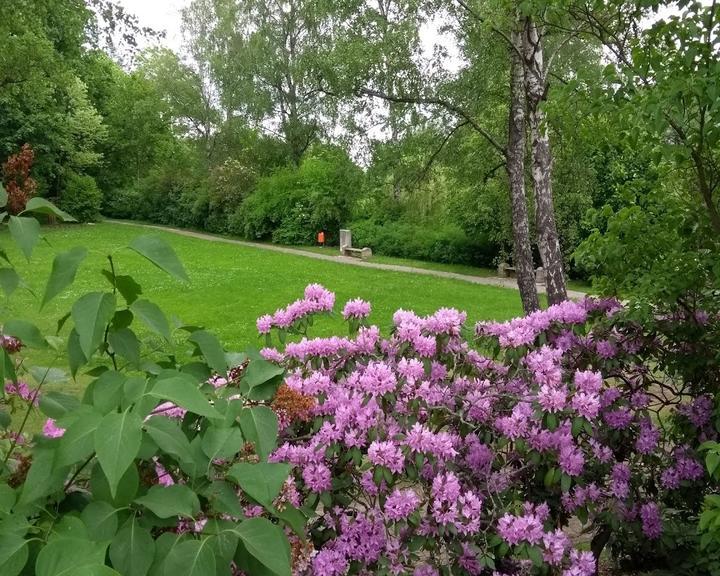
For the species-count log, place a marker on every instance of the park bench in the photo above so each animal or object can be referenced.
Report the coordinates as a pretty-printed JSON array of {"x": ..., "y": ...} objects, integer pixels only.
[
  {"x": 346, "y": 247},
  {"x": 507, "y": 271}
]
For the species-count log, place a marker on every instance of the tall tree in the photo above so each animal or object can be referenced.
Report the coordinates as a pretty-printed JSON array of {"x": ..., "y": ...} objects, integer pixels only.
[
  {"x": 536, "y": 89},
  {"x": 262, "y": 59}
]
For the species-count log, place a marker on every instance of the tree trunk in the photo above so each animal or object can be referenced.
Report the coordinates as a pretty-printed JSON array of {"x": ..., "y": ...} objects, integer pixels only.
[
  {"x": 515, "y": 165},
  {"x": 536, "y": 91}
]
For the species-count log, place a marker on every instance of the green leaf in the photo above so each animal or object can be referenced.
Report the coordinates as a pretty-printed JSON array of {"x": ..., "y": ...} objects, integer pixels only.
[
  {"x": 170, "y": 438},
  {"x": 161, "y": 254},
  {"x": 132, "y": 550},
  {"x": 262, "y": 482},
  {"x": 3, "y": 196},
  {"x": 169, "y": 501},
  {"x": 5, "y": 420},
  {"x": 78, "y": 442},
  {"x": 211, "y": 350},
  {"x": 101, "y": 520},
  {"x": 181, "y": 389},
  {"x": 66, "y": 556},
  {"x": 63, "y": 272},
  {"x": 259, "y": 425},
  {"x": 27, "y": 332},
  {"x": 108, "y": 391},
  {"x": 261, "y": 371},
  {"x": 191, "y": 558},
  {"x": 76, "y": 357},
  {"x": 712, "y": 461},
  {"x": 223, "y": 498},
  {"x": 43, "y": 478},
  {"x": 117, "y": 443},
  {"x": 40, "y": 205},
  {"x": 222, "y": 443},
  {"x": 55, "y": 405},
  {"x": 126, "y": 491},
  {"x": 9, "y": 280},
  {"x": 13, "y": 554},
  {"x": 128, "y": 288},
  {"x": 294, "y": 518},
  {"x": 91, "y": 314},
  {"x": 26, "y": 233},
  {"x": 125, "y": 343},
  {"x": 267, "y": 543},
  {"x": 152, "y": 316}
]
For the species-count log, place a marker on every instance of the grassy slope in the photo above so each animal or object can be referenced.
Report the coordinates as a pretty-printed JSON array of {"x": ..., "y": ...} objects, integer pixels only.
[{"x": 232, "y": 285}]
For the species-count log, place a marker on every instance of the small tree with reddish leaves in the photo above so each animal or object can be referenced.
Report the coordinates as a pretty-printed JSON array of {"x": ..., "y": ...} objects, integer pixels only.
[{"x": 16, "y": 178}]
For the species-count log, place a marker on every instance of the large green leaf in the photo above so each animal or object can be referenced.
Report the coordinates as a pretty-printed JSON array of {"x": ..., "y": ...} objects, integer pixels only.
[
  {"x": 170, "y": 438},
  {"x": 125, "y": 343},
  {"x": 9, "y": 280},
  {"x": 152, "y": 316},
  {"x": 181, "y": 389},
  {"x": 3, "y": 196},
  {"x": 161, "y": 254},
  {"x": 262, "y": 481},
  {"x": 132, "y": 550},
  {"x": 259, "y": 425},
  {"x": 267, "y": 543},
  {"x": 78, "y": 442},
  {"x": 191, "y": 558},
  {"x": 39, "y": 205},
  {"x": 91, "y": 314},
  {"x": 43, "y": 478},
  {"x": 108, "y": 391},
  {"x": 27, "y": 332},
  {"x": 13, "y": 554},
  {"x": 261, "y": 371},
  {"x": 101, "y": 520},
  {"x": 26, "y": 233},
  {"x": 117, "y": 443},
  {"x": 211, "y": 349},
  {"x": 169, "y": 501},
  {"x": 56, "y": 404},
  {"x": 222, "y": 442},
  {"x": 66, "y": 556},
  {"x": 64, "y": 268},
  {"x": 126, "y": 491},
  {"x": 76, "y": 357}
]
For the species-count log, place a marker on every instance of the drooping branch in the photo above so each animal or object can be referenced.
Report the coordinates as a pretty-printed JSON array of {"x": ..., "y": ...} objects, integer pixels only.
[
  {"x": 430, "y": 161},
  {"x": 432, "y": 101}
]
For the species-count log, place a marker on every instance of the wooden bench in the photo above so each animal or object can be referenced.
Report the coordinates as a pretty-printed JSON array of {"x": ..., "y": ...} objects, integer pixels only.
[
  {"x": 362, "y": 253},
  {"x": 507, "y": 271}
]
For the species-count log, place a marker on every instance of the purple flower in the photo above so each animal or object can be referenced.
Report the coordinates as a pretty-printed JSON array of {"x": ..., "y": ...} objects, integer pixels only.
[
  {"x": 52, "y": 430},
  {"x": 556, "y": 544},
  {"x": 620, "y": 486},
  {"x": 586, "y": 404},
  {"x": 22, "y": 390},
  {"x": 356, "y": 309},
  {"x": 386, "y": 454},
  {"x": 581, "y": 564},
  {"x": 400, "y": 504},
  {"x": 317, "y": 477},
  {"x": 552, "y": 399},
  {"x": 651, "y": 520},
  {"x": 648, "y": 438},
  {"x": 264, "y": 324}
]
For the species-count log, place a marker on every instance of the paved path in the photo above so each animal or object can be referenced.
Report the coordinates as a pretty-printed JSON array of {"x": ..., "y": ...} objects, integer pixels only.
[{"x": 485, "y": 280}]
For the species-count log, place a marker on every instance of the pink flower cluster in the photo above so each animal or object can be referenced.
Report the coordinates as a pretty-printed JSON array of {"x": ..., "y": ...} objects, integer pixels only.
[
  {"x": 418, "y": 435},
  {"x": 317, "y": 299}
]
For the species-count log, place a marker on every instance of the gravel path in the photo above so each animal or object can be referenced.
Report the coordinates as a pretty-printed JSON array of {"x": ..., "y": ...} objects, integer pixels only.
[{"x": 485, "y": 280}]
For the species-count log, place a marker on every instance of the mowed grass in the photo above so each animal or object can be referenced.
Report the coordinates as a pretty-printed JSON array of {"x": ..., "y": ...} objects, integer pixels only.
[{"x": 230, "y": 286}]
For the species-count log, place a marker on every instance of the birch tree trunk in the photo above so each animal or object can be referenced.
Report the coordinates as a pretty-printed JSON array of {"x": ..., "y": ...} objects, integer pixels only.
[
  {"x": 536, "y": 91},
  {"x": 515, "y": 165}
]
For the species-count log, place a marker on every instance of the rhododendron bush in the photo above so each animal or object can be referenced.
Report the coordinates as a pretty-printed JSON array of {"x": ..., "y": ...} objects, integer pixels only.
[
  {"x": 433, "y": 449},
  {"x": 437, "y": 448}
]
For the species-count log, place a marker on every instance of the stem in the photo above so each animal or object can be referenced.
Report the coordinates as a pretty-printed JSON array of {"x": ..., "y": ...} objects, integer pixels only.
[{"x": 77, "y": 472}]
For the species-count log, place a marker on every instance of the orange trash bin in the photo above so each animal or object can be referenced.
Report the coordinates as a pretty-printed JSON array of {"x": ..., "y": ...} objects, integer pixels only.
[{"x": 321, "y": 238}]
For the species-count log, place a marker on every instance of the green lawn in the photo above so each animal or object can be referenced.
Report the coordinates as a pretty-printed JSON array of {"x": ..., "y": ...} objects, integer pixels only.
[{"x": 232, "y": 285}]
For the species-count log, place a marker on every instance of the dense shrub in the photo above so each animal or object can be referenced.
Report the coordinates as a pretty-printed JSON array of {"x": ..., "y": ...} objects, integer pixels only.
[
  {"x": 420, "y": 455},
  {"x": 294, "y": 204},
  {"x": 123, "y": 203},
  {"x": 81, "y": 197},
  {"x": 435, "y": 243}
]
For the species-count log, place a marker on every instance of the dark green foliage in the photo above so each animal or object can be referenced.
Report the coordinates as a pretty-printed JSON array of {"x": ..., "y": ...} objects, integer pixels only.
[
  {"x": 81, "y": 197},
  {"x": 292, "y": 205},
  {"x": 439, "y": 243}
]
